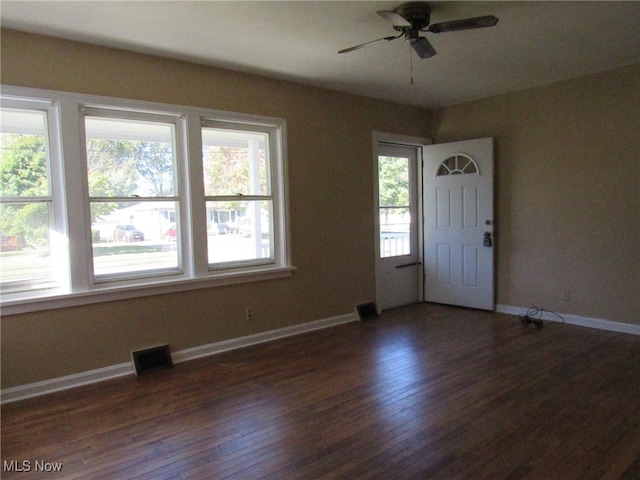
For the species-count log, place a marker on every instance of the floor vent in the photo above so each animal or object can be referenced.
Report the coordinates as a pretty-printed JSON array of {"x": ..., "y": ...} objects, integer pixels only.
[
  {"x": 367, "y": 311},
  {"x": 152, "y": 359}
]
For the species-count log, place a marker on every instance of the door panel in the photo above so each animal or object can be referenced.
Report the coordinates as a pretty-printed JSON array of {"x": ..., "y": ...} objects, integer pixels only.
[
  {"x": 398, "y": 263},
  {"x": 458, "y": 211}
]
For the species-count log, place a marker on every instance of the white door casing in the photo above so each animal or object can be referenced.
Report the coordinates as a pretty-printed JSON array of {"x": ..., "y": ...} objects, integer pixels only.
[{"x": 458, "y": 220}]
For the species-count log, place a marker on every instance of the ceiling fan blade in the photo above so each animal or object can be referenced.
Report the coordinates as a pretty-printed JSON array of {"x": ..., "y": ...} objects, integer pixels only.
[
  {"x": 394, "y": 18},
  {"x": 464, "y": 24},
  {"x": 357, "y": 47},
  {"x": 423, "y": 48}
]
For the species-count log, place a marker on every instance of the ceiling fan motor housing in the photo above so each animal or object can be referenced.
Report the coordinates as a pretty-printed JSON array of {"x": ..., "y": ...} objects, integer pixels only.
[{"x": 418, "y": 14}]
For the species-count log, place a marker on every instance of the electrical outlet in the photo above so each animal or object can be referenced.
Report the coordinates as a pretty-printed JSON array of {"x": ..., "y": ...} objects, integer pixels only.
[
  {"x": 249, "y": 313},
  {"x": 566, "y": 295}
]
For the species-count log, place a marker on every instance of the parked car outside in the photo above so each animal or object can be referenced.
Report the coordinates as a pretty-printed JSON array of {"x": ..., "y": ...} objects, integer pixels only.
[{"x": 127, "y": 233}]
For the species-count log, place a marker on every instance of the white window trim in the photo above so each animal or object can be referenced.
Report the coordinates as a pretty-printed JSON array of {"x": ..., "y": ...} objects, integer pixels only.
[
  {"x": 97, "y": 280},
  {"x": 195, "y": 273},
  {"x": 271, "y": 196}
]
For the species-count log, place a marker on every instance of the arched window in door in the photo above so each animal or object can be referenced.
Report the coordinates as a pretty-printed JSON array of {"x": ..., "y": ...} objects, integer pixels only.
[{"x": 457, "y": 164}]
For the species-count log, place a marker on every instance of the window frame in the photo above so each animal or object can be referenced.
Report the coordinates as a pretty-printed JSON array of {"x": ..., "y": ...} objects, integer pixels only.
[
  {"x": 56, "y": 210},
  {"x": 72, "y": 202},
  {"x": 409, "y": 205},
  {"x": 178, "y": 160},
  {"x": 270, "y": 195}
]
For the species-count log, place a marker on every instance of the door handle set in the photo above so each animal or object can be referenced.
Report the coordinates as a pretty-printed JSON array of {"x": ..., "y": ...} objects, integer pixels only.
[{"x": 486, "y": 241}]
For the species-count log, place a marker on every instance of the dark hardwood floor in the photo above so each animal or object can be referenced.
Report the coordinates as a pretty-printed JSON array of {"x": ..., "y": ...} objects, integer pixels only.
[{"x": 425, "y": 391}]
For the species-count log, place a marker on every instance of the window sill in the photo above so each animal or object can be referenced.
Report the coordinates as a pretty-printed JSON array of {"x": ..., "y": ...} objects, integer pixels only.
[{"x": 108, "y": 294}]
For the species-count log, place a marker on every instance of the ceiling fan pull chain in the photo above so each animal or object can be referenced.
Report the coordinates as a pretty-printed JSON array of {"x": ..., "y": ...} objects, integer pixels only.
[{"x": 411, "y": 65}]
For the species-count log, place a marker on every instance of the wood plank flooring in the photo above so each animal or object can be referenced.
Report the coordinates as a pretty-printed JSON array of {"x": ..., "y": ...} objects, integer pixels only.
[{"x": 423, "y": 392}]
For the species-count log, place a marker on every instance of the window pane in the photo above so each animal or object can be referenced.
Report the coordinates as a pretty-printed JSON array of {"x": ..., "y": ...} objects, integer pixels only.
[
  {"x": 25, "y": 256},
  {"x": 393, "y": 177},
  {"x": 132, "y": 237},
  {"x": 395, "y": 217},
  {"x": 395, "y": 227},
  {"x": 239, "y": 231},
  {"x": 130, "y": 157},
  {"x": 235, "y": 162},
  {"x": 24, "y": 164}
]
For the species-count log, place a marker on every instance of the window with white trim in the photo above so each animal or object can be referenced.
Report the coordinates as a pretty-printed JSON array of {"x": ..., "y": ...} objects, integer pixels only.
[
  {"x": 99, "y": 195},
  {"x": 238, "y": 194},
  {"x": 31, "y": 224},
  {"x": 133, "y": 196}
]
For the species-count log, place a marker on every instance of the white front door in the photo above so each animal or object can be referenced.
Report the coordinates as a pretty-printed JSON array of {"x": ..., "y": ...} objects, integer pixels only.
[
  {"x": 399, "y": 260},
  {"x": 458, "y": 223}
]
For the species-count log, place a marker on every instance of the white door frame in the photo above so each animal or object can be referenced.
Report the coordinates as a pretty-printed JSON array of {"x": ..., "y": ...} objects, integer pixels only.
[{"x": 406, "y": 141}]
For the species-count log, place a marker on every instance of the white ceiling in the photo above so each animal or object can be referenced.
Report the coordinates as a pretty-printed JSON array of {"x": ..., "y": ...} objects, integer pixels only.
[{"x": 532, "y": 44}]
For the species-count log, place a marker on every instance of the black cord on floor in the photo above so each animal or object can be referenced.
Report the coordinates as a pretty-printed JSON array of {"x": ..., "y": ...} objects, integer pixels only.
[{"x": 534, "y": 316}]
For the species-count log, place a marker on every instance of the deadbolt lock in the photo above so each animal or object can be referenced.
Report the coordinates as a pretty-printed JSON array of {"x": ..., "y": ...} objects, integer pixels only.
[{"x": 487, "y": 239}]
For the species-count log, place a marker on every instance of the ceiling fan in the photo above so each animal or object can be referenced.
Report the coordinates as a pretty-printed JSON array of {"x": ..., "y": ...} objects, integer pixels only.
[{"x": 410, "y": 19}]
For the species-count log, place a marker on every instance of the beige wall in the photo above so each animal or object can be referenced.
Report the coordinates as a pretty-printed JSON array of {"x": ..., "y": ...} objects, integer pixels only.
[
  {"x": 567, "y": 202},
  {"x": 568, "y": 191},
  {"x": 331, "y": 204}
]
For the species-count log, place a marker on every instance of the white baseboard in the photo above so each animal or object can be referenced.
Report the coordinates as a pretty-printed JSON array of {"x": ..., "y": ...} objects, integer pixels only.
[
  {"x": 578, "y": 320},
  {"x": 234, "y": 343},
  {"x": 63, "y": 383},
  {"x": 22, "y": 392}
]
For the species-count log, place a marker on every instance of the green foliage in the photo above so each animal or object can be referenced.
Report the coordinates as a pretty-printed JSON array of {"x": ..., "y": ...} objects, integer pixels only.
[
  {"x": 23, "y": 166},
  {"x": 123, "y": 168},
  {"x": 109, "y": 173},
  {"x": 116, "y": 168},
  {"x": 393, "y": 178},
  {"x": 23, "y": 173},
  {"x": 117, "y": 249},
  {"x": 28, "y": 221},
  {"x": 154, "y": 162},
  {"x": 226, "y": 172}
]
